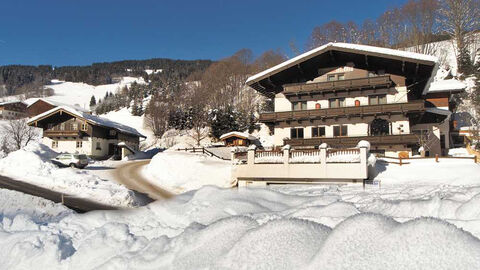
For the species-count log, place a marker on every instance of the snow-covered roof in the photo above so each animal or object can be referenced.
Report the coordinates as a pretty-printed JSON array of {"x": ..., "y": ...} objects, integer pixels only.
[
  {"x": 11, "y": 102},
  {"x": 451, "y": 85},
  {"x": 92, "y": 119},
  {"x": 32, "y": 101},
  {"x": 238, "y": 134},
  {"x": 390, "y": 53},
  {"x": 438, "y": 111}
]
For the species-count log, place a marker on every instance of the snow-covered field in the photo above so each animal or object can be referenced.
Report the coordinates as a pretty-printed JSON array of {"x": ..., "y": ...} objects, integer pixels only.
[
  {"x": 280, "y": 227},
  {"x": 74, "y": 93},
  {"x": 32, "y": 165}
]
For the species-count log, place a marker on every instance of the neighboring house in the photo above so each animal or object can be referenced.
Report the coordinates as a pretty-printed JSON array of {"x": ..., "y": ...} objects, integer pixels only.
[
  {"x": 235, "y": 138},
  {"x": 40, "y": 105},
  {"x": 68, "y": 130},
  {"x": 12, "y": 110},
  {"x": 341, "y": 93}
]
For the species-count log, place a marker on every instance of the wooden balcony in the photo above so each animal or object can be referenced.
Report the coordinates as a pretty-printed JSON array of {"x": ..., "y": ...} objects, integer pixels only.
[
  {"x": 332, "y": 86},
  {"x": 62, "y": 133},
  {"x": 394, "y": 108},
  {"x": 404, "y": 139}
]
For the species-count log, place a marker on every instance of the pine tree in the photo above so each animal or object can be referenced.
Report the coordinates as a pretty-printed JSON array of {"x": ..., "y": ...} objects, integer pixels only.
[
  {"x": 93, "y": 101},
  {"x": 465, "y": 64}
]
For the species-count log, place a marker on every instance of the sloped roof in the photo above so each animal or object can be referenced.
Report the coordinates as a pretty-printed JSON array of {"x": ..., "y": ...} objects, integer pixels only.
[
  {"x": 451, "y": 85},
  {"x": 11, "y": 102},
  {"x": 378, "y": 51},
  {"x": 92, "y": 119},
  {"x": 238, "y": 134},
  {"x": 32, "y": 101},
  {"x": 307, "y": 66}
]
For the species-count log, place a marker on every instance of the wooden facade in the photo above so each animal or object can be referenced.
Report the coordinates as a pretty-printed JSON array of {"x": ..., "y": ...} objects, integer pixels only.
[
  {"x": 77, "y": 133},
  {"x": 38, "y": 107},
  {"x": 344, "y": 112},
  {"x": 12, "y": 110}
]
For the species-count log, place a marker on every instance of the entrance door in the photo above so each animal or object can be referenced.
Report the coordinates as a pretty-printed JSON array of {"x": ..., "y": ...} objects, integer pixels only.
[{"x": 111, "y": 149}]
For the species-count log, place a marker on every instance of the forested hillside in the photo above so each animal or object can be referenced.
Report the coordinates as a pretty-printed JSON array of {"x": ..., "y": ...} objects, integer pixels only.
[{"x": 18, "y": 79}]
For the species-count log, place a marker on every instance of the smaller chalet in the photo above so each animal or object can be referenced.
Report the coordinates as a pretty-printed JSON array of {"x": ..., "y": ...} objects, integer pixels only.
[
  {"x": 68, "y": 130},
  {"x": 236, "y": 138},
  {"x": 37, "y": 106},
  {"x": 12, "y": 110}
]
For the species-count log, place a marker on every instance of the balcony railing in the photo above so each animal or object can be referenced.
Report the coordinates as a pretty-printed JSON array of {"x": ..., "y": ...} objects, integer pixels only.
[
  {"x": 352, "y": 84},
  {"x": 413, "y": 106},
  {"x": 61, "y": 133},
  {"x": 408, "y": 139}
]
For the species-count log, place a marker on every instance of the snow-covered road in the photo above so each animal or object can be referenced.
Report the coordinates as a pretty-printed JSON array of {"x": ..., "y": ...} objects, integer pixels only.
[{"x": 131, "y": 175}]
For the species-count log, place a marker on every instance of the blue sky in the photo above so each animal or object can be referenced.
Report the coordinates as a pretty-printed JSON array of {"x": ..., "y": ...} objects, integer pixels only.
[{"x": 74, "y": 32}]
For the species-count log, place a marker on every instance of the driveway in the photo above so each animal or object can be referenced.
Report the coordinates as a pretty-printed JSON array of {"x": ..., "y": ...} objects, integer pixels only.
[{"x": 130, "y": 175}]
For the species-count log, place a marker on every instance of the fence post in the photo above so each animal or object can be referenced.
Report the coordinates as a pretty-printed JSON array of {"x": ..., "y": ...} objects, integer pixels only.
[
  {"x": 400, "y": 161},
  {"x": 436, "y": 157},
  {"x": 475, "y": 159},
  {"x": 251, "y": 154},
  {"x": 63, "y": 199},
  {"x": 286, "y": 154}
]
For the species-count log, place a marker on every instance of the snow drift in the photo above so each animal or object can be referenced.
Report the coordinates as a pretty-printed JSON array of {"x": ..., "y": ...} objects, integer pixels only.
[
  {"x": 179, "y": 171},
  {"x": 258, "y": 228},
  {"x": 32, "y": 164}
]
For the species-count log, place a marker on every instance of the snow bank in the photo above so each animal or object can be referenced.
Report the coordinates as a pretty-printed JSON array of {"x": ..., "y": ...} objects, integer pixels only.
[
  {"x": 427, "y": 171},
  {"x": 375, "y": 242},
  {"x": 281, "y": 227},
  {"x": 181, "y": 171},
  {"x": 32, "y": 164},
  {"x": 459, "y": 152}
]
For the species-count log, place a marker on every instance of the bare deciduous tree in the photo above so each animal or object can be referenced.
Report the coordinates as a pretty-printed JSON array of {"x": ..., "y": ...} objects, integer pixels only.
[
  {"x": 18, "y": 133},
  {"x": 457, "y": 18}
]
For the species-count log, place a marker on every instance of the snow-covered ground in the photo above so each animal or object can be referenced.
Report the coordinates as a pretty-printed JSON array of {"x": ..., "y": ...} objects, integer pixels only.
[
  {"x": 182, "y": 171},
  {"x": 74, "y": 93},
  {"x": 280, "y": 227},
  {"x": 32, "y": 164},
  {"x": 125, "y": 117}
]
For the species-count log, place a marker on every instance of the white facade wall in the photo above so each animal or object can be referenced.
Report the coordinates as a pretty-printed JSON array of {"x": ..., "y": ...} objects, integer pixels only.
[
  {"x": 70, "y": 145},
  {"x": 89, "y": 145},
  {"x": 394, "y": 95},
  {"x": 399, "y": 123}
]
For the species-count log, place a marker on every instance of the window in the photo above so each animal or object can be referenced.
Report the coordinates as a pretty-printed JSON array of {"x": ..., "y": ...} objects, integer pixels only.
[
  {"x": 377, "y": 99},
  {"x": 62, "y": 126},
  {"x": 98, "y": 147},
  {"x": 54, "y": 144},
  {"x": 79, "y": 144},
  {"x": 112, "y": 132},
  {"x": 318, "y": 106},
  {"x": 74, "y": 126},
  {"x": 297, "y": 106},
  {"x": 296, "y": 133},
  {"x": 341, "y": 77},
  {"x": 336, "y": 102},
  {"x": 340, "y": 130},
  {"x": 49, "y": 126},
  {"x": 84, "y": 127},
  {"x": 357, "y": 103},
  {"x": 331, "y": 78},
  {"x": 318, "y": 132}
]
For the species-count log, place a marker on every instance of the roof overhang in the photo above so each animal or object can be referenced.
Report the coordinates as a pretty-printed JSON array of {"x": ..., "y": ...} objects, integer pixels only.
[{"x": 306, "y": 66}]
